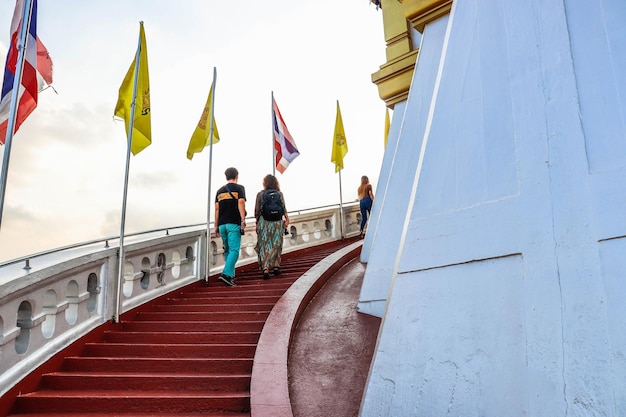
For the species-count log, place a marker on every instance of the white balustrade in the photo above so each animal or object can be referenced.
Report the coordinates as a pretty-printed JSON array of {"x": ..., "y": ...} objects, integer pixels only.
[{"x": 62, "y": 295}]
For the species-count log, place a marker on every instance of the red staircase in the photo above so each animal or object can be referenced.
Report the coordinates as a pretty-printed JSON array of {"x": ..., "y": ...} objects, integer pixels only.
[{"x": 188, "y": 353}]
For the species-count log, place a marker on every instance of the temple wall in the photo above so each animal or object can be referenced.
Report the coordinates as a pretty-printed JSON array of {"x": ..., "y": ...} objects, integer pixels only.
[
  {"x": 399, "y": 166},
  {"x": 507, "y": 297}
]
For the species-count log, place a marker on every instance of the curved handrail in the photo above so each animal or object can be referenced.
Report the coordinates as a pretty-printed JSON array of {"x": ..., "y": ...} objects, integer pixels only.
[{"x": 106, "y": 240}]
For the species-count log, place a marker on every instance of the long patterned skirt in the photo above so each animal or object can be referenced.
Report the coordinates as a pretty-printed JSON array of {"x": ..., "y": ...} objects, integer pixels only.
[{"x": 269, "y": 244}]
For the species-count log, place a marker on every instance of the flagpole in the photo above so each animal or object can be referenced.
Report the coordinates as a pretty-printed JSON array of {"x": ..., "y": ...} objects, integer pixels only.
[
  {"x": 339, "y": 160},
  {"x": 120, "y": 271},
  {"x": 21, "y": 45},
  {"x": 340, "y": 207},
  {"x": 209, "y": 205},
  {"x": 273, "y": 139}
]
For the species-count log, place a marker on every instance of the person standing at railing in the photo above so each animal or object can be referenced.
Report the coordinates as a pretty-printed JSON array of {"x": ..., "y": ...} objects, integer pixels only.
[
  {"x": 230, "y": 217},
  {"x": 366, "y": 198},
  {"x": 272, "y": 221}
]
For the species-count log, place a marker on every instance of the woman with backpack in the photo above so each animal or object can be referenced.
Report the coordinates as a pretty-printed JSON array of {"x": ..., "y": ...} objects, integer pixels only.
[{"x": 271, "y": 222}]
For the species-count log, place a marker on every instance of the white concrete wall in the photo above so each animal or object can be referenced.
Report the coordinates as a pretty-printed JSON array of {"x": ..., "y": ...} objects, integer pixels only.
[
  {"x": 384, "y": 176},
  {"x": 399, "y": 166},
  {"x": 509, "y": 297},
  {"x": 389, "y": 158}
]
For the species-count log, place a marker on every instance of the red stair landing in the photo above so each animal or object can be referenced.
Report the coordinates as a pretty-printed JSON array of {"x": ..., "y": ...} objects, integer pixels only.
[{"x": 187, "y": 353}]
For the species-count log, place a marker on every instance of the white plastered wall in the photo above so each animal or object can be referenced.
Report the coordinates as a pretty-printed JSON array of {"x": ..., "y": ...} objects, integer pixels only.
[
  {"x": 509, "y": 291},
  {"x": 397, "y": 172}
]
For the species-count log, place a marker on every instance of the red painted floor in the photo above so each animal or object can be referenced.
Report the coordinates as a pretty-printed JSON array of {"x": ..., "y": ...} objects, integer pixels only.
[{"x": 332, "y": 349}]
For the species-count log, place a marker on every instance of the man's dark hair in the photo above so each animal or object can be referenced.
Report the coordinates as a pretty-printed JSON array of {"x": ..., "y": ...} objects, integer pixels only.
[{"x": 231, "y": 173}]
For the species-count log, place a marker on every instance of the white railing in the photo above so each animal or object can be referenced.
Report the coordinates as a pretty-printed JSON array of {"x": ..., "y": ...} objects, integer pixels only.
[{"x": 50, "y": 299}]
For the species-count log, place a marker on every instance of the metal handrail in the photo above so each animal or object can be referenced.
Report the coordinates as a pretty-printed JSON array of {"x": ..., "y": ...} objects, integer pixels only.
[
  {"x": 106, "y": 240},
  {"x": 91, "y": 242}
]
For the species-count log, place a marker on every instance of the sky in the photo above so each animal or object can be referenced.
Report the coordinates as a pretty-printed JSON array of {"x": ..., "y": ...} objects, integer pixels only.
[{"x": 65, "y": 181}]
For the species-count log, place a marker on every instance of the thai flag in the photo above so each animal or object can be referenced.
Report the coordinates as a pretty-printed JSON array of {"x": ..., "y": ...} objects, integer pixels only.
[
  {"x": 37, "y": 71},
  {"x": 285, "y": 150}
]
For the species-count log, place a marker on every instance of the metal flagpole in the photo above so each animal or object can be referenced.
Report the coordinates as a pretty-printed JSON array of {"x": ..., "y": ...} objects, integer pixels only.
[
  {"x": 340, "y": 207},
  {"x": 273, "y": 138},
  {"x": 120, "y": 271},
  {"x": 209, "y": 205},
  {"x": 21, "y": 46}
]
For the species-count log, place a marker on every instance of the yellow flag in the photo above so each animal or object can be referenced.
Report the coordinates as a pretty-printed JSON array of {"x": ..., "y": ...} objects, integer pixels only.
[
  {"x": 142, "y": 132},
  {"x": 340, "y": 145},
  {"x": 387, "y": 125},
  {"x": 200, "y": 138}
]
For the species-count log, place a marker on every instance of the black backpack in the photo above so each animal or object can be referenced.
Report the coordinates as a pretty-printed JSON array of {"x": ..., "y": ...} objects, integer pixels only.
[{"x": 271, "y": 205}]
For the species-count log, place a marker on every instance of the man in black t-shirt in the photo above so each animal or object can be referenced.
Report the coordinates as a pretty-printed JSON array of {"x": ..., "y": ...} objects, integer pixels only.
[{"x": 230, "y": 217}]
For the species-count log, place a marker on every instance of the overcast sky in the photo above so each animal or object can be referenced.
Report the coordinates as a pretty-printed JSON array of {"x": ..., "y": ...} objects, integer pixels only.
[{"x": 66, "y": 170}]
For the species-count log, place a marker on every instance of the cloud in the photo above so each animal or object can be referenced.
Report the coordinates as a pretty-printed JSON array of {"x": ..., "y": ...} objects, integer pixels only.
[
  {"x": 67, "y": 167},
  {"x": 154, "y": 180},
  {"x": 111, "y": 223},
  {"x": 81, "y": 125},
  {"x": 20, "y": 213}
]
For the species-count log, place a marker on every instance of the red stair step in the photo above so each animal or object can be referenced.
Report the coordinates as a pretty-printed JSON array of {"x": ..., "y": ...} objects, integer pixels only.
[
  {"x": 145, "y": 382},
  {"x": 170, "y": 350},
  {"x": 240, "y": 292},
  {"x": 124, "y": 402},
  {"x": 204, "y": 316},
  {"x": 138, "y": 414},
  {"x": 194, "y": 326},
  {"x": 155, "y": 365},
  {"x": 209, "y": 306},
  {"x": 182, "y": 337},
  {"x": 215, "y": 299}
]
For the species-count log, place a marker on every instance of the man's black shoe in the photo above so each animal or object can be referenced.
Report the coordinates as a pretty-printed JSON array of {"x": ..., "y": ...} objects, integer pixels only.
[{"x": 230, "y": 281}]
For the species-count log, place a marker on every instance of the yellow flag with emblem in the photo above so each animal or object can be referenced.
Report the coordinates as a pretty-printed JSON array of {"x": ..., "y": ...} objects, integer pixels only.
[
  {"x": 139, "y": 120},
  {"x": 202, "y": 137},
  {"x": 340, "y": 145}
]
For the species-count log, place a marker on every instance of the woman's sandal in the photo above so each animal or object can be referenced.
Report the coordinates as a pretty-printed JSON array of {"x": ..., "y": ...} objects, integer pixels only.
[{"x": 266, "y": 274}]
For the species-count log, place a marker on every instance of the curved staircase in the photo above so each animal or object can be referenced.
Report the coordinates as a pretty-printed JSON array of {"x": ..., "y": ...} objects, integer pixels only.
[{"x": 188, "y": 353}]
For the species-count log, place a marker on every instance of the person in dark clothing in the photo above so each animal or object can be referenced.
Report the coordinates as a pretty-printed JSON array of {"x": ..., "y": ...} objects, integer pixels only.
[
  {"x": 230, "y": 218},
  {"x": 366, "y": 198},
  {"x": 270, "y": 231}
]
